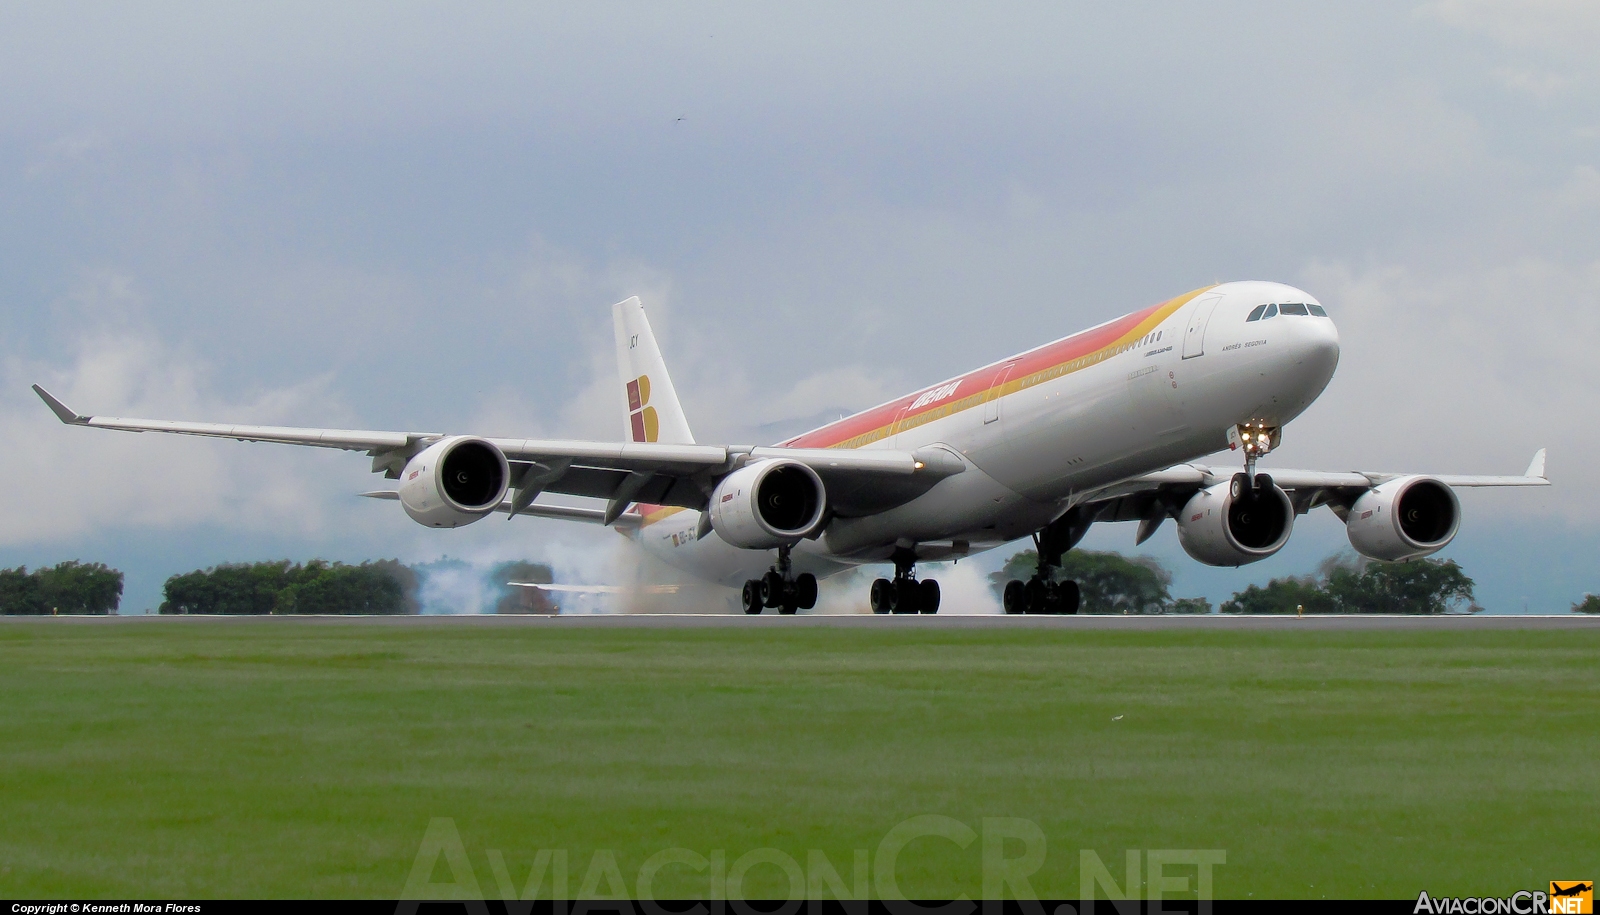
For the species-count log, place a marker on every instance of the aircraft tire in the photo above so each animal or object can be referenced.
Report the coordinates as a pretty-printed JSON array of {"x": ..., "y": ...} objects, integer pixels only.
[
  {"x": 1070, "y": 597},
  {"x": 928, "y": 599},
  {"x": 805, "y": 590},
  {"x": 1014, "y": 600},
  {"x": 1036, "y": 597},
  {"x": 787, "y": 608},
  {"x": 750, "y": 598},
  {"x": 907, "y": 596},
  {"x": 882, "y": 596},
  {"x": 772, "y": 589}
]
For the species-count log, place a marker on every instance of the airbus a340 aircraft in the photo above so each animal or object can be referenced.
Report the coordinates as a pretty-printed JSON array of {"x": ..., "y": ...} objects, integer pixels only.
[{"x": 1093, "y": 427}]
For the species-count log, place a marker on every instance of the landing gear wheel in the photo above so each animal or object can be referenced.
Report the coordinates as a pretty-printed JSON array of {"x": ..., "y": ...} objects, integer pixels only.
[
  {"x": 928, "y": 599},
  {"x": 750, "y": 598},
  {"x": 907, "y": 596},
  {"x": 883, "y": 596},
  {"x": 1070, "y": 596},
  {"x": 805, "y": 591},
  {"x": 787, "y": 608},
  {"x": 1015, "y": 599},
  {"x": 773, "y": 589},
  {"x": 1035, "y": 596}
]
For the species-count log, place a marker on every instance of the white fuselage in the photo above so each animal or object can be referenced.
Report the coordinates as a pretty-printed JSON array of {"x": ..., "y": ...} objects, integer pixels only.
[{"x": 1045, "y": 428}]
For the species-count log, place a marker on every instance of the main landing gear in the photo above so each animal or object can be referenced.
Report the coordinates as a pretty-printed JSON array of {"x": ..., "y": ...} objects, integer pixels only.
[
  {"x": 1042, "y": 593},
  {"x": 905, "y": 594},
  {"x": 780, "y": 588}
]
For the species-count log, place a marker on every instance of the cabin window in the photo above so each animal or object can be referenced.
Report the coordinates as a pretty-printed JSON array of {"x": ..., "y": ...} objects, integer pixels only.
[
  {"x": 1255, "y": 314},
  {"x": 1317, "y": 310},
  {"x": 1294, "y": 309}
]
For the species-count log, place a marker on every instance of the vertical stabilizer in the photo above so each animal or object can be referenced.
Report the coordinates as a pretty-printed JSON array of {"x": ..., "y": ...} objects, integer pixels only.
[{"x": 650, "y": 401}]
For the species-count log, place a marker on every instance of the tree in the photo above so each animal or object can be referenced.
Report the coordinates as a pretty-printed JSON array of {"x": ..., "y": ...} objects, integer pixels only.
[
  {"x": 1282, "y": 595},
  {"x": 1589, "y": 604},
  {"x": 1107, "y": 582},
  {"x": 67, "y": 587},
  {"x": 1419, "y": 586},
  {"x": 19, "y": 593},
  {"x": 1348, "y": 584}
]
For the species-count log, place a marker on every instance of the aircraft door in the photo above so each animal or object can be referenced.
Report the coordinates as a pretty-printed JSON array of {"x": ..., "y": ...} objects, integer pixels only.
[
  {"x": 991, "y": 407},
  {"x": 1194, "y": 340}
]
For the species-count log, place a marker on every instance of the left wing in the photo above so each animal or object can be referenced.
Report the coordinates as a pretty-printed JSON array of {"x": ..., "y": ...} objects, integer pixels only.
[
  {"x": 1153, "y": 497},
  {"x": 858, "y": 481}
]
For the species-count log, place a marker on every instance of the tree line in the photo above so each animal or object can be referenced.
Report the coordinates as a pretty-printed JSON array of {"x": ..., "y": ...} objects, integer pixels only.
[
  {"x": 384, "y": 586},
  {"x": 68, "y": 587},
  {"x": 1112, "y": 583}
]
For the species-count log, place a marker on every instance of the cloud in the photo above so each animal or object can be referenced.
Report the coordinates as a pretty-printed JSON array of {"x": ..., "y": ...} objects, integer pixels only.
[
  {"x": 59, "y": 482},
  {"x": 1542, "y": 86},
  {"x": 1547, "y": 24},
  {"x": 1467, "y": 371}
]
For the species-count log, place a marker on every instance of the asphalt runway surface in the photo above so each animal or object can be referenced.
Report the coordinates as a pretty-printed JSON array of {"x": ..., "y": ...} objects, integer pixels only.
[{"x": 1197, "y": 622}]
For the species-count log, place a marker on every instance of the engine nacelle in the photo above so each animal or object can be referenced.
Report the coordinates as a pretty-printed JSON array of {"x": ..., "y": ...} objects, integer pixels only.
[
  {"x": 1404, "y": 519},
  {"x": 1230, "y": 524},
  {"x": 768, "y": 504},
  {"x": 454, "y": 481}
]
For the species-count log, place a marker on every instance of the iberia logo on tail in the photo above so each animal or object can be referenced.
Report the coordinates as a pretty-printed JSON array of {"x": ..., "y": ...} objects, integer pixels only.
[{"x": 641, "y": 416}]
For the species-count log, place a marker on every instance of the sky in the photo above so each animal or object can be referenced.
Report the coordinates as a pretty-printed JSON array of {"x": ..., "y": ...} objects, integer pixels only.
[{"x": 416, "y": 217}]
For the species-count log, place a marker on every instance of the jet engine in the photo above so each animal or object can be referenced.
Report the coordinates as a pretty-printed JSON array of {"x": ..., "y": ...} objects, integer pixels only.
[
  {"x": 1233, "y": 524},
  {"x": 454, "y": 481},
  {"x": 768, "y": 504},
  {"x": 1403, "y": 519}
]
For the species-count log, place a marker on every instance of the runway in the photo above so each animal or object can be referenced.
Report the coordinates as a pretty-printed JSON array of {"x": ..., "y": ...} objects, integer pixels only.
[{"x": 1197, "y": 622}]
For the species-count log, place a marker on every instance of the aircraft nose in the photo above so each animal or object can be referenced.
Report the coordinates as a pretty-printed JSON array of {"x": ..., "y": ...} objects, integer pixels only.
[{"x": 1317, "y": 344}]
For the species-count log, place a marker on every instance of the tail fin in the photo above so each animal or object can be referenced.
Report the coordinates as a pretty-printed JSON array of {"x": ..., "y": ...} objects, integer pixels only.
[{"x": 654, "y": 414}]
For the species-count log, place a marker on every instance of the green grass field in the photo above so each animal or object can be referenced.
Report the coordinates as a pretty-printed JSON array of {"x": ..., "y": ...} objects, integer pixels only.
[{"x": 295, "y": 758}]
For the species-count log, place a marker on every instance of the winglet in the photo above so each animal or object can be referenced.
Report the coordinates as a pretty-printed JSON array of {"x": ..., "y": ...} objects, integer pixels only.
[
  {"x": 62, "y": 410},
  {"x": 1536, "y": 468}
]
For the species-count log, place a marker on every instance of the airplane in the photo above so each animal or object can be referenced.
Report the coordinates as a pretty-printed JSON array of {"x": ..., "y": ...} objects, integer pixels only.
[{"x": 1104, "y": 425}]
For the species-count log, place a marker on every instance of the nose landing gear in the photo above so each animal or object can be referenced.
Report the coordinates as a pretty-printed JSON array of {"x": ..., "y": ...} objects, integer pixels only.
[
  {"x": 780, "y": 589},
  {"x": 1257, "y": 439},
  {"x": 905, "y": 594}
]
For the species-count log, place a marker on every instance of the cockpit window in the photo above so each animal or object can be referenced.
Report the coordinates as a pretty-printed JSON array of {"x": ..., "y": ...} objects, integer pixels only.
[
  {"x": 1317, "y": 310},
  {"x": 1271, "y": 312},
  {"x": 1292, "y": 309},
  {"x": 1255, "y": 314}
]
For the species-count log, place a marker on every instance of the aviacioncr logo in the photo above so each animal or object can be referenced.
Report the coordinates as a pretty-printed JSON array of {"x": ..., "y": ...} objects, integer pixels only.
[{"x": 641, "y": 416}]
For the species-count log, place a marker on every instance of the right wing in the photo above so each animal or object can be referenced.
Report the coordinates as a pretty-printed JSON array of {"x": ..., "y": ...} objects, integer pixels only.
[{"x": 858, "y": 482}]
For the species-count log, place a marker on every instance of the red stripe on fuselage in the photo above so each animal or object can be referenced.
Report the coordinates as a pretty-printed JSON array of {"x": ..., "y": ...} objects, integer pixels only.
[{"x": 973, "y": 387}]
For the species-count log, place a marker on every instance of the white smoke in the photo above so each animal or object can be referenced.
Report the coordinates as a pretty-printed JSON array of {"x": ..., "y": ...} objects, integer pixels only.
[
  {"x": 964, "y": 589},
  {"x": 454, "y": 586}
]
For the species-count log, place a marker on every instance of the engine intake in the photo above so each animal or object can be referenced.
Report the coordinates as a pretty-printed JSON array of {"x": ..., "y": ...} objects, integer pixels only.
[
  {"x": 454, "y": 481},
  {"x": 768, "y": 504},
  {"x": 1232, "y": 524},
  {"x": 1404, "y": 519}
]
